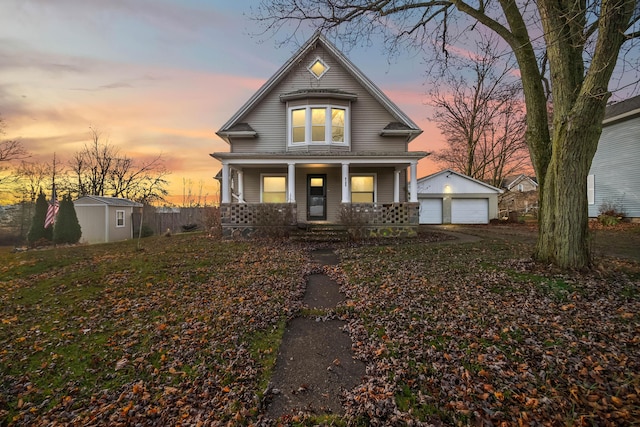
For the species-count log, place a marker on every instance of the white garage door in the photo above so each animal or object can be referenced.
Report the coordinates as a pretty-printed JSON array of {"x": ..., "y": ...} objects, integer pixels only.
[
  {"x": 469, "y": 211},
  {"x": 430, "y": 211}
]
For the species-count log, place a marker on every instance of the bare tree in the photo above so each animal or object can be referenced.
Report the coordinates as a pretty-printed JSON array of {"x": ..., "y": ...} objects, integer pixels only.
[
  {"x": 480, "y": 111},
  {"x": 92, "y": 165},
  {"x": 141, "y": 181},
  {"x": 565, "y": 49},
  {"x": 33, "y": 177},
  {"x": 100, "y": 169},
  {"x": 189, "y": 198},
  {"x": 9, "y": 150}
]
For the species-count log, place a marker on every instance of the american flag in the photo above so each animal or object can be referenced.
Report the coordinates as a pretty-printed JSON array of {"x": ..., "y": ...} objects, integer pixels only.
[{"x": 52, "y": 210}]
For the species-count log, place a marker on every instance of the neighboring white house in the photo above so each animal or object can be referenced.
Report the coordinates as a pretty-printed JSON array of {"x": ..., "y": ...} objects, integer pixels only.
[
  {"x": 449, "y": 197},
  {"x": 319, "y": 137},
  {"x": 105, "y": 219},
  {"x": 614, "y": 177}
]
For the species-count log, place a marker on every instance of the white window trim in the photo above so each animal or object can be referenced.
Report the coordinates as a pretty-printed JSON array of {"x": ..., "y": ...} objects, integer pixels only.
[
  {"x": 286, "y": 184},
  {"x": 123, "y": 219},
  {"x": 375, "y": 184},
  {"x": 326, "y": 67},
  {"x": 591, "y": 189},
  {"x": 327, "y": 132}
]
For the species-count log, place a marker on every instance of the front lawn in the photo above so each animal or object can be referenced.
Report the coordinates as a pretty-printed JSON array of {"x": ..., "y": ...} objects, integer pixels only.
[{"x": 185, "y": 330}]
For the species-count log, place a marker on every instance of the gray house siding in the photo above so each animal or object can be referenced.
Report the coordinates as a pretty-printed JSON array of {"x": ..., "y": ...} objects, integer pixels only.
[
  {"x": 368, "y": 117},
  {"x": 616, "y": 168}
]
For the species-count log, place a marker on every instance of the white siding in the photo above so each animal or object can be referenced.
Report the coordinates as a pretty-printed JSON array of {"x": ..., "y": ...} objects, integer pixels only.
[{"x": 616, "y": 170}]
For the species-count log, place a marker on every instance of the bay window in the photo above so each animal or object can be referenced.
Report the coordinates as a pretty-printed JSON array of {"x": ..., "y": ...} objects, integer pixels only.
[{"x": 324, "y": 124}]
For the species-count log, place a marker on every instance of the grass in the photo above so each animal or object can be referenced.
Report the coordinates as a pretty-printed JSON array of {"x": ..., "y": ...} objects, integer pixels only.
[
  {"x": 78, "y": 320},
  {"x": 188, "y": 328}
]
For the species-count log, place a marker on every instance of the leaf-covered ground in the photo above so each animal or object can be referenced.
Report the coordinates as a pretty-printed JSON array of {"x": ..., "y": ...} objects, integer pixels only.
[{"x": 185, "y": 330}]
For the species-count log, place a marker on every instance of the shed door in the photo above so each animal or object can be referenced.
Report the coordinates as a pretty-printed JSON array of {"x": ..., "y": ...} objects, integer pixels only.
[
  {"x": 469, "y": 211},
  {"x": 430, "y": 211}
]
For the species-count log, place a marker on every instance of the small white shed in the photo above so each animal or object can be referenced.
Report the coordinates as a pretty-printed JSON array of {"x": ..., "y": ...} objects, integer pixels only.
[
  {"x": 449, "y": 197},
  {"x": 105, "y": 219}
]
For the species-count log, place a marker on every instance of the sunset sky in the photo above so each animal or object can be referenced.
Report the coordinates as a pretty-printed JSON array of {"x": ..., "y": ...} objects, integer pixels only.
[
  {"x": 154, "y": 76},
  {"x": 157, "y": 77}
]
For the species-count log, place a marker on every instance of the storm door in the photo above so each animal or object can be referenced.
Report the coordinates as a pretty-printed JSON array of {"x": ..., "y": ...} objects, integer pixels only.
[{"x": 316, "y": 197}]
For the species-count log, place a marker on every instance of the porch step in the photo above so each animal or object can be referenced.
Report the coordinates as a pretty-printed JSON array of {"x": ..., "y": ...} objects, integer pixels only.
[{"x": 320, "y": 233}]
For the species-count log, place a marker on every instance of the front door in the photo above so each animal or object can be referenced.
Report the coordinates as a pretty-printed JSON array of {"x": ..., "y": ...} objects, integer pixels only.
[{"x": 316, "y": 197}]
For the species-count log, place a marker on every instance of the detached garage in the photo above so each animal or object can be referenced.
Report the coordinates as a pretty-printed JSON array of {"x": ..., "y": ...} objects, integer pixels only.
[{"x": 449, "y": 197}]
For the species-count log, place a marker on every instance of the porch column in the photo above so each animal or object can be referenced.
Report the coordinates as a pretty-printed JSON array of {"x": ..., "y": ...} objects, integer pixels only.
[
  {"x": 346, "y": 195},
  {"x": 225, "y": 184},
  {"x": 240, "y": 186},
  {"x": 396, "y": 186},
  {"x": 291, "y": 183},
  {"x": 413, "y": 186}
]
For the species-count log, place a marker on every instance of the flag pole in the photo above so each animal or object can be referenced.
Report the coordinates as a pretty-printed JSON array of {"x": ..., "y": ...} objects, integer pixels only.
[{"x": 53, "y": 207}]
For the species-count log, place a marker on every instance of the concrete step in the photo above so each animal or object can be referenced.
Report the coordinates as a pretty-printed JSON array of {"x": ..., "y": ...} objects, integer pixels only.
[{"x": 320, "y": 233}]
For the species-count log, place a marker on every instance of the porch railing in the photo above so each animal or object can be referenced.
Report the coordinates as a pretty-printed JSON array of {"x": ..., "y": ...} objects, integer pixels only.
[{"x": 373, "y": 219}]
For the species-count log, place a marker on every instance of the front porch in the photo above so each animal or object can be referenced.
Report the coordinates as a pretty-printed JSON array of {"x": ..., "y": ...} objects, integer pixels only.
[{"x": 361, "y": 220}]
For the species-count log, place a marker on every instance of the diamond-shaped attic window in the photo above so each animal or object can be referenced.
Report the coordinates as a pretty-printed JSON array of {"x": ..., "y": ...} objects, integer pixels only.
[{"x": 318, "y": 68}]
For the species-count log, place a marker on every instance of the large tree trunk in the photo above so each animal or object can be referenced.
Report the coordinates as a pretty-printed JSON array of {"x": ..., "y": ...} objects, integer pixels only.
[{"x": 563, "y": 236}]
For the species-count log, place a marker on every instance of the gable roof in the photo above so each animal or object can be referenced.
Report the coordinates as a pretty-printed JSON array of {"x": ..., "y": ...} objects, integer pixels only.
[
  {"x": 109, "y": 201},
  {"x": 510, "y": 181},
  {"x": 628, "y": 108},
  {"x": 409, "y": 127},
  {"x": 450, "y": 172}
]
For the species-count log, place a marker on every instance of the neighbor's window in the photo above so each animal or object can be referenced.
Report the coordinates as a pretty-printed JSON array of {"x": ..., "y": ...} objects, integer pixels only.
[
  {"x": 318, "y": 125},
  {"x": 274, "y": 189},
  {"x": 119, "y": 218},
  {"x": 363, "y": 189}
]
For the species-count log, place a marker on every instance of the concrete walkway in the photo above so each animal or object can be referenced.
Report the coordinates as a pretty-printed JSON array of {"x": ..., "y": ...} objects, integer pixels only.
[{"x": 315, "y": 361}]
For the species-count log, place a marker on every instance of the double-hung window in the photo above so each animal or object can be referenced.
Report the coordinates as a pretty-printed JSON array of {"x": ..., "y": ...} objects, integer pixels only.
[
  {"x": 274, "y": 189},
  {"x": 119, "y": 218},
  {"x": 322, "y": 124},
  {"x": 363, "y": 188}
]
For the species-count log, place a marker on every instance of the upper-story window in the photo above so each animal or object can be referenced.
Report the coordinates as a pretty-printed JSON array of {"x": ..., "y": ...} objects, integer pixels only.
[
  {"x": 318, "y": 68},
  {"x": 322, "y": 124}
]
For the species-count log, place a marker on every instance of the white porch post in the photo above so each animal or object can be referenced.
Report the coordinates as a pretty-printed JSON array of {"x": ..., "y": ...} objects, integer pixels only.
[
  {"x": 240, "y": 186},
  {"x": 346, "y": 195},
  {"x": 225, "y": 184},
  {"x": 291, "y": 183},
  {"x": 413, "y": 186},
  {"x": 396, "y": 186}
]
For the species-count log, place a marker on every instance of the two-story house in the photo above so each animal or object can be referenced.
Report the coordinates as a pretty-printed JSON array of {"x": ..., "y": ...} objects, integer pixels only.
[{"x": 316, "y": 138}]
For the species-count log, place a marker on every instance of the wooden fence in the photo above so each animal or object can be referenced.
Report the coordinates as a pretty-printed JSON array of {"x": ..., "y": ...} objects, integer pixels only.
[{"x": 177, "y": 220}]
